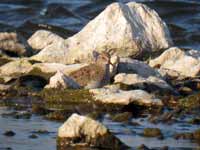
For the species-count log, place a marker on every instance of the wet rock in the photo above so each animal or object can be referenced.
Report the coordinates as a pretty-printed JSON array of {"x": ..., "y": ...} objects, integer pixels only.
[
  {"x": 57, "y": 115},
  {"x": 152, "y": 132},
  {"x": 190, "y": 102},
  {"x": 5, "y": 58},
  {"x": 122, "y": 117},
  {"x": 128, "y": 65},
  {"x": 185, "y": 90},
  {"x": 195, "y": 121},
  {"x": 41, "y": 132},
  {"x": 150, "y": 84},
  {"x": 138, "y": 30},
  {"x": 113, "y": 95},
  {"x": 177, "y": 62},
  {"x": 33, "y": 136},
  {"x": 43, "y": 38},
  {"x": 9, "y": 133},
  {"x": 60, "y": 81},
  {"x": 13, "y": 44},
  {"x": 83, "y": 131}
]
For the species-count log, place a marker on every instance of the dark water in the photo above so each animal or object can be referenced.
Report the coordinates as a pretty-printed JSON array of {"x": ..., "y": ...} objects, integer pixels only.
[{"x": 67, "y": 17}]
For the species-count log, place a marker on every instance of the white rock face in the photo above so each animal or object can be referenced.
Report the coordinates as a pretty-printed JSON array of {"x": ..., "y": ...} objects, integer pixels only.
[
  {"x": 135, "y": 79},
  {"x": 60, "y": 81},
  {"x": 128, "y": 65},
  {"x": 121, "y": 29},
  {"x": 42, "y": 38},
  {"x": 176, "y": 62},
  {"x": 117, "y": 96},
  {"x": 91, "y": 132}
]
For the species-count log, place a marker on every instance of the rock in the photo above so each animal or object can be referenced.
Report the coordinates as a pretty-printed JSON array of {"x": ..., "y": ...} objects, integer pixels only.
[
  {"x": 128, "y": 65},
  {"x": 150, "y": 84},
  {"x": 177, "y": 62},
  {"x": 13, "y": 43},
  {"x": 152, "y": 132},
  {"x": 5, "y": 58},
  {"x": 43, "y": 38},
  {"x": 60, "y": 81},
  {"x": 190, "y": 102},
  {"x": 114, "y": 95},
  {"x": 84, "y": 131},
  {"x": 9, "y": 133},
  {"x": 122, "y": 117},
  {"x": 114, "y": 61},
  {"x": 33, "y": 136},
  {"x": 15, "y": 69},
  {"x": 139, "y": 29},
  {"x": 4, "y": 87}
]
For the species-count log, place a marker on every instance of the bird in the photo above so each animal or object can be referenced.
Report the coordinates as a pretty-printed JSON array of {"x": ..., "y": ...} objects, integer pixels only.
[{"x": 96, "y": 74}]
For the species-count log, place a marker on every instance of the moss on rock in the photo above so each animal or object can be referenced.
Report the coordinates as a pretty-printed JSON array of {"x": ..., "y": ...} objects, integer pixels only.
[
  {"x": 190, "y": 102},
  {"x": 152, "y": 132}
]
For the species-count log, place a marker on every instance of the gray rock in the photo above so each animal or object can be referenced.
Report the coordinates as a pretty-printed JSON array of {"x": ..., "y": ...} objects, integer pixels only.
[{"x": 121, "y": 29}]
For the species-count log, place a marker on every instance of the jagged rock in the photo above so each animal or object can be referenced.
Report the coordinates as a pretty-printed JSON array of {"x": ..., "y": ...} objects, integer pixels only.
[
  {"x": 84, "y": 131},
  {"x": 176, "y": 62},
  {"x": 151, "y": 83},
  {"x": 4, "y": 58},
  {"x": 13, "y": 43},
  {"x": 60, "y": 81},
  {"x": 121, "y": 29},
  {"x": 113, "y": 95},
  {"x": 128, "y": 65},
  {"x": 42, "y": 38}
]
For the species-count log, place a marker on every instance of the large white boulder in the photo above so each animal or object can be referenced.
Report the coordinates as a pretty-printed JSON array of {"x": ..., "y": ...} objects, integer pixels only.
[
  {"x": 176, "y": 62},
  {"x": 84, "y": 131},
  {"x": 121, "y": 29}
]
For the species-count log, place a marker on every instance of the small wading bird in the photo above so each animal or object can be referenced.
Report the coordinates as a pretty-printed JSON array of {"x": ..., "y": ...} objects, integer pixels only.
[{"x": 96, "y": 74}]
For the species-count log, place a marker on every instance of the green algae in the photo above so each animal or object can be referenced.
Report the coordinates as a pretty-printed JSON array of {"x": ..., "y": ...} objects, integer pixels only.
[
  {"x": 38, "y": 72},
  {"x": 190, "y": 102}
]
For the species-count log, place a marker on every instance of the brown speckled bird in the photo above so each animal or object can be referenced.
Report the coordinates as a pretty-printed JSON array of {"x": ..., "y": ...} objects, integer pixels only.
[{"x": 96, "y": 74}]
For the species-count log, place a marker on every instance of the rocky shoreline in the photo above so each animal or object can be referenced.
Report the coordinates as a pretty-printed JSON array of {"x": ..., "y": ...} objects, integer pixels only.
[{"x": 121, "y": 61}]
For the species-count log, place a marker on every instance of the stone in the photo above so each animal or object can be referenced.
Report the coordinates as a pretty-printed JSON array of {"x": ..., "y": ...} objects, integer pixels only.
[
  {"x": 152, "y": 132},
  {"x": 60, "y": 81},
  {"x": 9, "y": 133},
  {"x": 43, "y": 38},
  {"x": 84, "y": 131},
  {"x": 11, "y": 42},
  {"x": 113, "y": 95},
  {"x": 151, "y": 83},
  {"x": 122, "y": 29},
  {"x": 183, "y": 63},
  {"x": 128, "y": 65}
]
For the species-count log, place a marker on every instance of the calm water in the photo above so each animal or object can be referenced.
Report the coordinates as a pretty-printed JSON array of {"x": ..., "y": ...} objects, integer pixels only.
[{"x": 66, "y": 17}]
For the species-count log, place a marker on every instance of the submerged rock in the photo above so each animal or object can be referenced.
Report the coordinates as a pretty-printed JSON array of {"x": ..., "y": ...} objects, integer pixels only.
[
  {"x": 84, "y": 131},
  {"x": 128, "y": 65},
  {"x": 109, "y": 95},
  {"x": 43, "y": 38},
  {"x": 150, "y": 84},
  {"x": 60, "y": 81},
  {"x": 176, "y": 62},
  {"x": 139, "y": 29},
  {"x": 152, "y": 132}
]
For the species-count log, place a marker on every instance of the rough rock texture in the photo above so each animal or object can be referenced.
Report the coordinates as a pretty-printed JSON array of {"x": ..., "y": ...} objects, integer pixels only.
[
  {"x": 121, "y": 29},
  {"x": 138, "y": 81},
  {"x": 79, "y": 130},
  {"x": 176, "y": 62},
  {"x": 42, "y": 38},
  {"x": 60, "y": 81},
  {"x": 128, "y": 65},
  {"x": 15, "y": 69},
  {"x": 113, "y": 95},
  {"x": 13, "y": 43}
]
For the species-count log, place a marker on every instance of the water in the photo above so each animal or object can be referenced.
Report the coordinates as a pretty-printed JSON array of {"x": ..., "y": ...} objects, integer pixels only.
[{"x": 66, "y": 17}]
